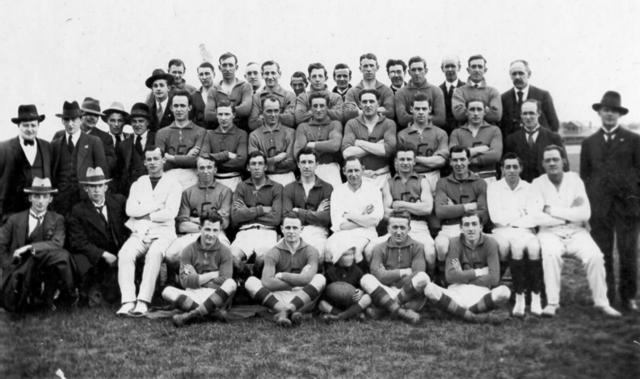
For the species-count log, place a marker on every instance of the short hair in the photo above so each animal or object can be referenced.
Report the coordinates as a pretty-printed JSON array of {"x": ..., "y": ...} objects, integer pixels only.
[
  {"x": 207, "y": 65},
  {"x": 256, "y": 153},
  {"x": 421, "y": 96},
  {"x": 226, "y": 103},
  {"x": 416, "y": 59},
  {"x": 206, "y": 158},
  {"x": 226, "y": 56},
  {"x": 212, "y": 217},
  {"x": 560, "y": 149},
  {"x": 182, "y": 92},
  {"x": 301, "y": 75},
  {"x": 152, "y": 148},
  {"x": 317, "y": 66},
  {"x": 404, "y": 149},
  {"x": 306, "y": 151},
  {"x": 270, "y": 98},
  {"x": 269, "y": 63},
  {"x": 177, "y": 62},
  {"x": 510, "y": 155},
  {"x": 470, "y": 214},
  {"x": 371, "y": 91},
  {"x": 395, "y": 62},
  {"x": 368, "y": 56},
  {"x": 319, "y": 95},
  {"x": 525, "y": 63},
  {"x": 339, "y": 66},
  {"x": 474, "y": 57},
  {"x": 292, "y": 215},
  {"x": 459, "y": 149},
  {"x": 401, "y": 214},
  {"x": 351, "y": 159},
  {"x": 473, "y": 100},
  {"x": 250, "y": 63},
  {"x": 534, "y": 101}
]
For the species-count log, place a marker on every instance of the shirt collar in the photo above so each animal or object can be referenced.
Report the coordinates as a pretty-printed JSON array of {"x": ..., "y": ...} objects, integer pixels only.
[
  {"x": 282, "y": 245},
  {"x": 317, "y": 183},
  {"x": 21, "y": 140},
  {"x": 503, "y": 182},
  {"x": 406, "y": 243},
  {"x": 413, "y": 175},
  {"x": 481, "y": 84},
  {"x": 465, "y": 243},
  {"x": 214, "y": 248},
  {"x": 35, "y": 215},
  {"x": 612, "y": 131},
  {"x": 415, "y": 129},
  {"x": 212, "y": 185},
  {"x": 525, "y": 92},
  {"x": 453, "y": 84}
]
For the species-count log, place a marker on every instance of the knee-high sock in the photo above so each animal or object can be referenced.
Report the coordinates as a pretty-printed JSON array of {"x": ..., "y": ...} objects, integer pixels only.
[
  {"x": 447, "y": 304},
  {"x": 185, "y": 303},
  {"x": 381, "y": 298},
  {"x": 218, "y": 298},
  {"x": 534, "y": 272},
  {"x": 518, "y": 275},
  {"x": 413, "y": 288},
  {"x": 356, "y": 308},
  {"x": 483, "y": 305},
  {"x": 309, "y": 293}
]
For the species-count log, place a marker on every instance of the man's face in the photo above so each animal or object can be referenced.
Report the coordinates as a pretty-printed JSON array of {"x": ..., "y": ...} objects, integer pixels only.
[
  {"x": 139, "y": 125},
  {"x": 209, "y": 232},
  {"x": 271, "y": 75},
  {"x": 460, "y": 164},
  {"x": 552, "y": 162},
  {"x": 476, "y": 70},
  {"x": 342, "y": 77},
  {"x": 298, "y": 85},
  {"x": 225, "y": 116},
  {"x": 206, "y": 170},
  {"x": 257, "y": 167},
  {"x": 115, "y": 122},
  {"x": 417, "y": 71},
  {"x": 71, "y": 125},
  {"x": 398, "y": 229},
  {"x": 160, "y": 89},
  {"x": 89, "y": 121},
  {"x": 471, "y": 228},
  {"x": 252, "y": 75},
  {"x": 353, "y": 171},
  {"x": 228, "y": 68},
  {"x": 271, "y": 112},
  {"x": 396, "y": 75},
  {"x": 317, "y": 79},
  {"x": 40, "y": 201},
  {"x": 519, "y": 75},
  {"x": 529, "y": 115},
  {"x": 180, "y": 108},
  {"x": 511, "y": 171},
  {"x": 177, "y": 72},
  {"x": 450, "y": 69},
  {"x": 368, "y": 67},
  {"x": 28, "y": 130},
  {"x": 307, "y": 165},
  {"x": 421, "y": 111},
  {"x": 206, "y": 75},
  {"x": 96, "y": 192},
  {"x": 369, "y": 104},
  {"x": 319, "y": 109},
  {"x": 347, "y": 258},
  {"x": 405, "y": 161},
  {"x": 609, "y": 116},
  {"x": 475, "y": 112},
  {"x": 154, "y": 162},
  {"x": 291, "y": 228}
]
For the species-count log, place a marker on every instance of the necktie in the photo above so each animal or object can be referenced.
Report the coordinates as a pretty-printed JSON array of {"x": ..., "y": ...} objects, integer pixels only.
[
  {"x": 520, "y": 95},
  {"x": 70, "y": 146},
  {"x": 99, "y": 209},
  {"x": 28, "y": 142},
  {"x": 117, "y": 137},
  {"x": 138, "y": 145},
  {"x": 160, "y": 112},
  {"x": 38, "y": 222},
  {"x": 608, "y": 136},
  {"x": 450, "y": 94},
  {"x": 530, "y": 134}
]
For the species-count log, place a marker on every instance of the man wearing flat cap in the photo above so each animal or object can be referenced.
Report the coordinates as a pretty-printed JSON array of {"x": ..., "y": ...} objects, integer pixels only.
[
  {"x": 160, "y": 106},
  {"x": 116, "y": 118},
  {"x": 73, "y": 151},
  {"x": 91, "y": 112},
  {"x": 96, "y": 233},
  {"x": 610, "y": 169},
  {"x": 21, "y": 159}
]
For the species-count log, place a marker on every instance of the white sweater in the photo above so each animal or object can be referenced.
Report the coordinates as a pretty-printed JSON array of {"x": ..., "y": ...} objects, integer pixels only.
[{"x": 152, "y": 211}]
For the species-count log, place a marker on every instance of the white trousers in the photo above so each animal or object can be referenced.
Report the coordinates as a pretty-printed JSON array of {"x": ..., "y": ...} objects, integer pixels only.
[
  {"x": 330, "y": 173},
  {"x": 284, "y": 179},
  {"x": 466, "y": 295},
  {"x": 343, "y": 240},
  {"x": 255, "y": 241},
  {"x": 315, "y": 236},
  {"x": 232, "y": 182}
]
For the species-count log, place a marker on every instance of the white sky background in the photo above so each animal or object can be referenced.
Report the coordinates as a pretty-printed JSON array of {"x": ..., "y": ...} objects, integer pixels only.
[{"x": 66, "y": 50}]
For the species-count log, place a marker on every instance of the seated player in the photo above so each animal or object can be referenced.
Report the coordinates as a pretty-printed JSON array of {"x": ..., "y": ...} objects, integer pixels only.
[
  {"x": 290, "y": 281},
  {"x": 397, "y": 280},
  {"x": 507, "y": 201},
  {"x": 473, "y": 273},
  {"x": 206, "y": 267}
]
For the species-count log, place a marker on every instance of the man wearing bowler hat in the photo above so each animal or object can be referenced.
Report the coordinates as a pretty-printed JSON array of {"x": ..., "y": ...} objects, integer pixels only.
[
  {"x": 21, "y": 159},
  {"x": 610, "y": 168},
  {"x": 116, "y": 117},
  {"x": 96, "y": 233},
  {"x": 160, "y": 106},
  {"x": 91, "y": 112},
  {"x": 130, "y": 152},
  {"x": 73, "y": 151}
]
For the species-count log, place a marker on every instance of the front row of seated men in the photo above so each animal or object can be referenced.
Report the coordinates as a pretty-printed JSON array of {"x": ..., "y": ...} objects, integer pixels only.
[{"x": 400, "y": 267}]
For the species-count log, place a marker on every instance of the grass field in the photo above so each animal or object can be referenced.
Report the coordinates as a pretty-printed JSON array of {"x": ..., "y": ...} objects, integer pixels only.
[{"x": 578, "y": 343}]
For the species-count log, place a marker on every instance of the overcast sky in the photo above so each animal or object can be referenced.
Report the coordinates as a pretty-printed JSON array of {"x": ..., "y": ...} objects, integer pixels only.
[{"x": 62, "y": 50}]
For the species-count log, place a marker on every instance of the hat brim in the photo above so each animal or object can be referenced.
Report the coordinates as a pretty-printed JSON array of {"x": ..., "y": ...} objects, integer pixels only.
[
  {"x": 91, "y": 111},
  {"x": 143, "y": 115},
  {"x": 17, "y": 120},
  {"x": 40, "y": 190},
  {"x": 153, "y": 78},
  {"x": 597, "y": 106},
  {"x": 101, "y": 181},
  {"x": 107, "y": 112}
]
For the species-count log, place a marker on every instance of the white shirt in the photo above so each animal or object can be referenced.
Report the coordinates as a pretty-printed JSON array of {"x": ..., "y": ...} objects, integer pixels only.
[
  {"x": 143, "y": 139},
  {"x": 453, "y": 84},
  {"x": 560, "y": 201},
  {"x": 610, "y": 132},
  {"x": 74, "y": 137},
  {"x": 508, "y": 207},
  {"x": 534, "y": 135},
  {"x": 344, "y": 200},
  {"x": 30, "y": 151},
  {"x": 204, "y": 93},
  {"x": 525, "y": 93},
  {"x": 33, "y": 221},
  {"x": 162, "y": 104},
  {"x": 104, "y": 210},
  {"x": 160, "y": 204}
]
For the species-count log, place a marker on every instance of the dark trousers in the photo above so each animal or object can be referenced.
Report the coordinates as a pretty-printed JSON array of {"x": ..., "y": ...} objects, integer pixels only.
[{"x": 626, "y": 232}]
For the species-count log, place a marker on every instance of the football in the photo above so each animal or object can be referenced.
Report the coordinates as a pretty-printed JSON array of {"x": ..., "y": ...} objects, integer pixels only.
[{"x": 340, "y": 294}]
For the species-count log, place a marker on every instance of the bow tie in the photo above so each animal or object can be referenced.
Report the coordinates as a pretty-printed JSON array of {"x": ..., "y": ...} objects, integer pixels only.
[{"x": 29, "y": 142}]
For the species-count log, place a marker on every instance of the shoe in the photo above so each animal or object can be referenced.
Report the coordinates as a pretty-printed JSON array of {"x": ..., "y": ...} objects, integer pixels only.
[
  {"x": 408, "y": 315},
  {"x": 182, "y": 319},
  {"x": 630, "y": 305},
  {"x": 373, "y": 313},
  {"x": 608, "y": 311},
  {"x": 125, "y": 309},
  {"x": 282, "y": 319},
  {"x": 550, "y": 310},
  {"x": 518, "y": 308},
  {"x": 140, "y": 309},
  {"x": 536, "y": 307}
]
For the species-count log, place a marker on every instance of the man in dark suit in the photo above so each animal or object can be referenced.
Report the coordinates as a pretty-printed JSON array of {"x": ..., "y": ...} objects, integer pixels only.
[
  {"x": 513, "y": 99},
  {"x": 91, "y": 112},
  {"x": 130, "y": 153},
  {"x": 199, "y": 99},
  {"x": 529, "y": 142},
  {"x": 116, "y": 118},
  {"x": 21, "y": 159},
  {"x": 72, "y": 153},
  {"x": 160, "y": 108},
  {"x": 610, "y": 168},
  {"x": 96, "y": 233},
  {"x": 37, "y": 235},
  {"x": 450, "y": 67}
]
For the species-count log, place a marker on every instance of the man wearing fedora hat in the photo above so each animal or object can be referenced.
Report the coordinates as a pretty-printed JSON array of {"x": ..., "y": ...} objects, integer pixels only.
[
  {"x": 130, "y": 152},
  {"x": 96, "y": 233},
  {"x": 116, "y": 117},
  {"x": 91, "y": 112},
  {"x": 38, "y": 235},
  {"x": 610, "y": 168},
  {"x": 21, "y": 159},
  {"x": 160, "y": 104},
  {"x": 73, "y": 151}
]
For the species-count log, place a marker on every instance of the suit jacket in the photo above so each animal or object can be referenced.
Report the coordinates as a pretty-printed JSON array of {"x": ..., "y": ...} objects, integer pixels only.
[
  {"x": 511, "y": 114},
  {"x": 123, "y": 175},
  {"x": 611, "y": 173},
  {"x": 197, "y": 111},
  {"x": 531, "y": 158},
  {"x": 108, "y": 146},
  {"x": 10, "y": 151},
  {"x": 167, "y": 116},
  {"x": 90, "y": 154},
  {"x": 451, "y": 122},
  {"x": 89, "y": 235},
  {"x": 13, "y": 235}
]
